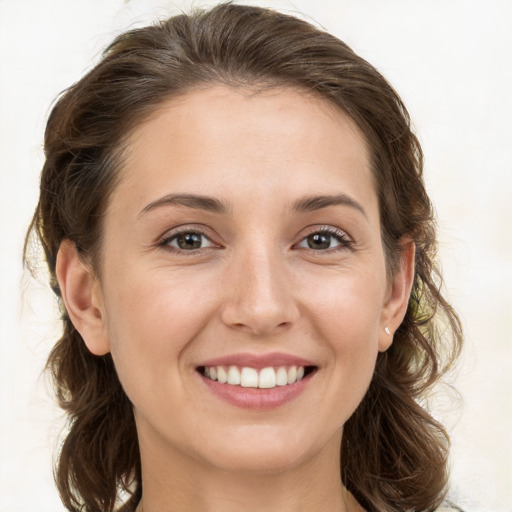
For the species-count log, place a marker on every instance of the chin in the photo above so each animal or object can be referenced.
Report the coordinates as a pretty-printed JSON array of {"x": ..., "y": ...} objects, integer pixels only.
[
  {"x": 263, "y": 450},
  {"x": 262, "y": 462}
]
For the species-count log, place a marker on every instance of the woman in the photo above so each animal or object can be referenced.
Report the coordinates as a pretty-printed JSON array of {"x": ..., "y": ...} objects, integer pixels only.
[{"x": 233, "y": 215}]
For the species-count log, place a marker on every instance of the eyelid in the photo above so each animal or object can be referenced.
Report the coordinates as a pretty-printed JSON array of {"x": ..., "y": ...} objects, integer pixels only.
[
  {"x": 344, "y": 239},
  {"x": 173, "y": 233}
]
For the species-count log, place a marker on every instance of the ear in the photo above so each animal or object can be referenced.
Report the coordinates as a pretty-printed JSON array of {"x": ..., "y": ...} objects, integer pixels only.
[
  {"x": 398, "y": 293},
  {"x": 82, "y": 298}
]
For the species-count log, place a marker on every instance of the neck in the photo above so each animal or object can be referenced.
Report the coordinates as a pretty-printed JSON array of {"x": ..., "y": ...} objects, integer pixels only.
[{"x": 179, "y": 483}]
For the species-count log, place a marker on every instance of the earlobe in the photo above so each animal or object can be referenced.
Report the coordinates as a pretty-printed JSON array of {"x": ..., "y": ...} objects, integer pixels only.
[
  {"x": 82, "y": 298},
  {"x": 397, "y": 299}
]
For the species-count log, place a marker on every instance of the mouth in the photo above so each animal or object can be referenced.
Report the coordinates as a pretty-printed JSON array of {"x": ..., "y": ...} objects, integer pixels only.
[
  {"x": 268, "y": 377},
  {"x": 257, "y": 381}
]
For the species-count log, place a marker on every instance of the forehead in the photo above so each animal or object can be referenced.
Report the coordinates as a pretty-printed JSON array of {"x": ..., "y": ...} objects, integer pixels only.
[{"x": 225, "y": 141}]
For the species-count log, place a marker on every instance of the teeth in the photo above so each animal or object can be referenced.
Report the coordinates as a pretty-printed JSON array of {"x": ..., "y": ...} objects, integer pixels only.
[
  {"x": 281, "y": 376},
  {"x": 233, "y": 376},
  {"x": 267, "y": 378},
  {"x": 222, "y": 376},
  {"x": 292, "y": 375},
  {"x": 247, "y": 377}
]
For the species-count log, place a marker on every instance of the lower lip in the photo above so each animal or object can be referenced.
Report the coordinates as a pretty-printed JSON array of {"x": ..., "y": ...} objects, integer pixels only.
[{"x": 256, "y": 398}]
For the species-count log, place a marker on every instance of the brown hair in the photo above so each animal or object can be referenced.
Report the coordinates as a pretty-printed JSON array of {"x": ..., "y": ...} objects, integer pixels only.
[{"x": 394, "y": 453}]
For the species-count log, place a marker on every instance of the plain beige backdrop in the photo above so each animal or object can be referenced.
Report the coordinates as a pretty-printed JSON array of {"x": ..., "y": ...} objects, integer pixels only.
[{"x": 451, "y": 62}]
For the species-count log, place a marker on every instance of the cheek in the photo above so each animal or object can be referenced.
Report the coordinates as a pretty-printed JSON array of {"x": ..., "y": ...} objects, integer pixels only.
[
  {"x": 345, "y": 318},
  {"x": 347, "y": 304},
  {"x": 152, "y": 317}
]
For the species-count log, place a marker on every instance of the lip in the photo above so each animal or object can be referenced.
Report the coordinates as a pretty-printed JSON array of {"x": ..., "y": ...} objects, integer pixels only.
[
  {"x": 258, "y": 361},
  {"x": 255, "y": 398}
]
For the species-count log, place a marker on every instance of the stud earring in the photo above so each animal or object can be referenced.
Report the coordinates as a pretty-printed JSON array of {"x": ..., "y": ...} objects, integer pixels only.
[{"x": 387, "y": 331}]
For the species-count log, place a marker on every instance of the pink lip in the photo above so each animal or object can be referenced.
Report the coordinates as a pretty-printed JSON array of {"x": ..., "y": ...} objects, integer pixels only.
[
  {"x": 255, "y": 398},
  {"x": 258, "y": 361}
]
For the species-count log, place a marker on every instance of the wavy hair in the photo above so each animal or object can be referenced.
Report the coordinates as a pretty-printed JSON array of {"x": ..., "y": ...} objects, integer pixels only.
[{"x": 394, "y": 453}]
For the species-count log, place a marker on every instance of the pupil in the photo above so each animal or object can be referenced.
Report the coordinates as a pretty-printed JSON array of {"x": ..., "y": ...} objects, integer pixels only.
[
  {"x": 319, "y": 241},
  {"x": 189, "y": 241}
]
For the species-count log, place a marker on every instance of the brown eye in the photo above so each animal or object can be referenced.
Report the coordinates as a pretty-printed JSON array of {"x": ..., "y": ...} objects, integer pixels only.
[
  {"x": 188, "y": 241},
  {"x": 319, "y": 241},
  {"x": 325, "y": 239}
]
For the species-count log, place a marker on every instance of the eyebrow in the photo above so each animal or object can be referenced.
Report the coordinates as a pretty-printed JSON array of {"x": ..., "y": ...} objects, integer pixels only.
[
  {"x": 313, "y": 203},
  {"x": 194, "y": 201},
  {"x": 211, "y": 204}
]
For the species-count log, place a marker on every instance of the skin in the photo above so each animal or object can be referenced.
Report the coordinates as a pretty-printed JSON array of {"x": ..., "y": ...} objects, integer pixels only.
[{"x": 255, "y": 286}]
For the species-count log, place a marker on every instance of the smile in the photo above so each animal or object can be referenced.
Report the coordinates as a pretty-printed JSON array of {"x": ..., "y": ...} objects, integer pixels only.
[
  {"x": 257, "y": 381},
  {"x": 262, "y": 389},
  {"x": 247, "y": 377}
]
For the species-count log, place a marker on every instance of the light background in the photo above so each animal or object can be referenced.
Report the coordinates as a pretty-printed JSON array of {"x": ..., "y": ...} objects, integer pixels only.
[{"x": 451, "y": 62}]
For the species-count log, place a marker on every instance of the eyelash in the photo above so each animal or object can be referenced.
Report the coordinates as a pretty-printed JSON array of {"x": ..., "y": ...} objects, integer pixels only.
[
  {"x": 345, "y": 242},
  {"x": 164, "y": 242}
]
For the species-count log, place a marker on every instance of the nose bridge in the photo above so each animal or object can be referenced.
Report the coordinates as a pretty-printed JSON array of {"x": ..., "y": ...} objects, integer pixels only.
[{"x": 260, "y": 297}]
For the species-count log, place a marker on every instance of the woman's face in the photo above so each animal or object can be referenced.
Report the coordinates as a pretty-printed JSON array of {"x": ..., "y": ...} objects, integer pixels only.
[{"x": 244, "y": 233}]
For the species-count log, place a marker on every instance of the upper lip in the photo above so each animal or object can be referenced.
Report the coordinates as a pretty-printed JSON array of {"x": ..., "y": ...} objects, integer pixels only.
[{"x": 258, "y": 361}]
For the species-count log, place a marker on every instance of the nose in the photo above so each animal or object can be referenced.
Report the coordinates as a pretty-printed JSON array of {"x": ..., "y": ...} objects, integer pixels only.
[{"x": 259, "y": 295}]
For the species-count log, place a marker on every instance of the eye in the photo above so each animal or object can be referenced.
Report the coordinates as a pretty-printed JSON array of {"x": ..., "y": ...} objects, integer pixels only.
[
  {"x": 325, "y": 239},
  {"x": 187, "y": 241}
]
